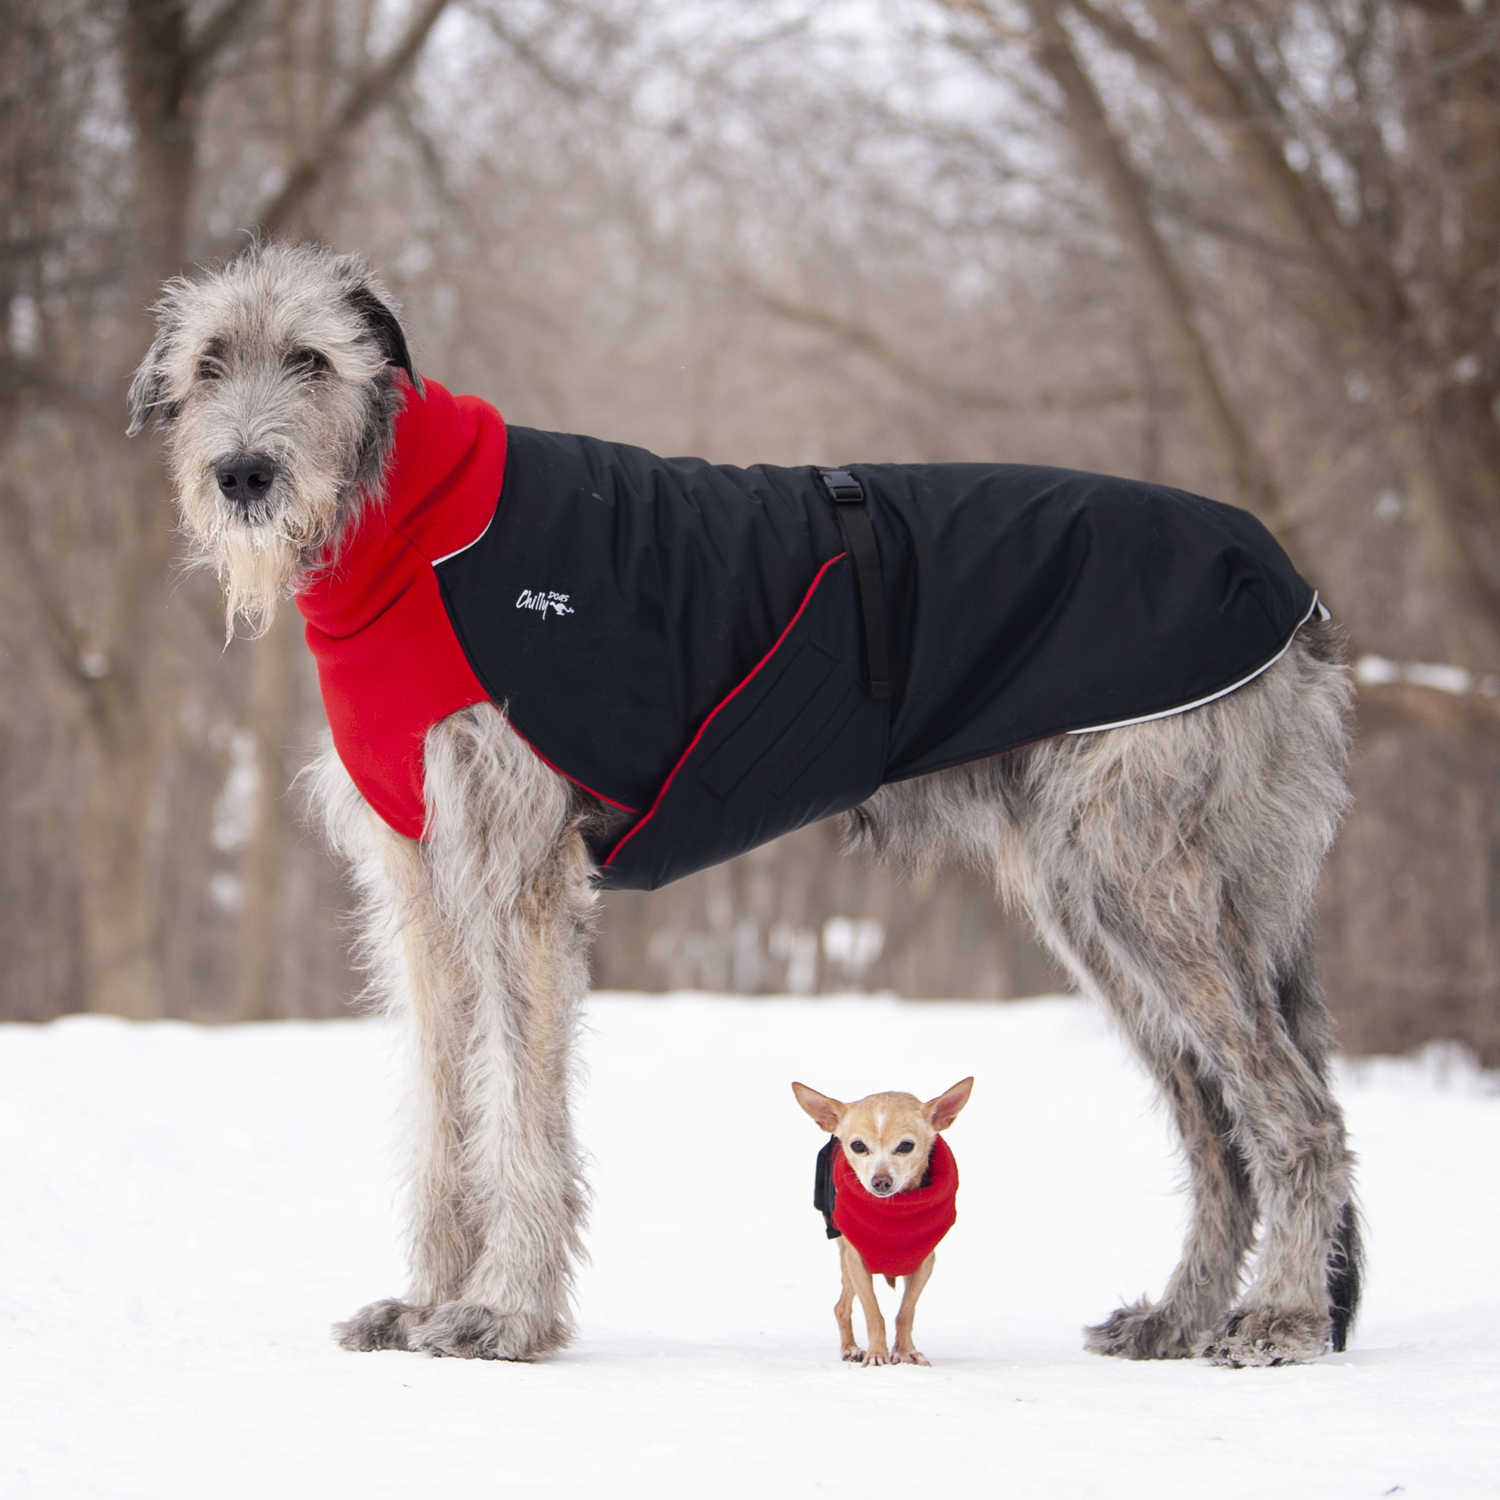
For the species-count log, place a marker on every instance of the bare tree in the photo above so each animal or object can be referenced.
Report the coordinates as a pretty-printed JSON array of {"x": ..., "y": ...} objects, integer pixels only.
[{"x": 1238, "y": 247}]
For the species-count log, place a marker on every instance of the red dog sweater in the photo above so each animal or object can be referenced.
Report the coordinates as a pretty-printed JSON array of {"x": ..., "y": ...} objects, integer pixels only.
[
  {"x": 895, "y": 1235},
  {"x": 389, "y": 663}
]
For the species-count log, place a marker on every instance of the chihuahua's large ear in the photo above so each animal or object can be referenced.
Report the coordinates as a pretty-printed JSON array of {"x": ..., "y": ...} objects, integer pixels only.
[
  {"x": 824, "y": 1110},
  {"x": 148, "y": 389},
  {"x": 943, "y": 1110},
  {"x": 385, "y": 328}
]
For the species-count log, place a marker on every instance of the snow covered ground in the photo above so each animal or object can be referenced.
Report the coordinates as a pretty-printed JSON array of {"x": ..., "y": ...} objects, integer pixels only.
[{"x": 183, "y": 1212}]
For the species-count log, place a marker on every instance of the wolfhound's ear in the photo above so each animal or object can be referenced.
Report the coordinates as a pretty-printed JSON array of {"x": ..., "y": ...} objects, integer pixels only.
[
  {"x": 385, "y": 327},
  {"x": 943, "y": 1110},
  {"x": 148, "y": 390},
  {"x": 824, "y": 1110}
]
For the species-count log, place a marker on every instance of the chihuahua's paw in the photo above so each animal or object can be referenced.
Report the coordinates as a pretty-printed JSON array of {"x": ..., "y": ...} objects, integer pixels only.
[
  {"x": 910, "y": 1357},
  {"x": 381, "y": 1325},
  {"x": 876, "y": 1357},
  {"x": 852, "y": 1356}
]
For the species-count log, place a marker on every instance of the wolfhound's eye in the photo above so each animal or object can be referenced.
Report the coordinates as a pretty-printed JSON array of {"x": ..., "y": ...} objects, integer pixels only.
[
  {"x": 310, "y": 362},
  {"x": 906, "y": 1148},
  {"x": 211, "y": 361},
  {"x": 859, "y": 1148}
]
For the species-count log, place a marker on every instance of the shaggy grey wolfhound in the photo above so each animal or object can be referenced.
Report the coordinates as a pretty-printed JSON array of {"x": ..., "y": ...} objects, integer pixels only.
[{"x": 1169, "y": 865}]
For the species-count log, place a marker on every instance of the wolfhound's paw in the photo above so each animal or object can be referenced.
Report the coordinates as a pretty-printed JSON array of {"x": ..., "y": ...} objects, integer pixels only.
[
  {"x": 910, "y": 1357},
  {"x": 1263, "y": 1336},
  {"x": 381, "y": 1325},
  {"x": 473, "y": 1330},
  {"x": 1141, "y": 1331}
]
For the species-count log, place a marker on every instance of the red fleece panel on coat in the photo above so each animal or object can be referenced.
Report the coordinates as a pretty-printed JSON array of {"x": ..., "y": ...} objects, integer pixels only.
[
  {"x": 895, "y": 1235},
  {"x": 389, "y": 664}
]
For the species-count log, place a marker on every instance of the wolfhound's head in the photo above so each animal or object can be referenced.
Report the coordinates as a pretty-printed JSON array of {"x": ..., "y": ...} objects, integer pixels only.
[{"x": 275, "y": 381}]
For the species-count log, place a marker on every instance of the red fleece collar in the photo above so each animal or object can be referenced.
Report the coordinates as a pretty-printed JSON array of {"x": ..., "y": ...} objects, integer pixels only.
[
  {"x": 895, "y": 1235},
  {"x": 389, "y": 664}
]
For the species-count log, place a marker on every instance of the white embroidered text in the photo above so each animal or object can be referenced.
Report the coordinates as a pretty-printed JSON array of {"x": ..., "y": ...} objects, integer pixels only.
[{"x": 557, "y": 603}]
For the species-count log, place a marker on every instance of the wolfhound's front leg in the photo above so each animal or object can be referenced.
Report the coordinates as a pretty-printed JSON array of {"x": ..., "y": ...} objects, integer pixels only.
[
  {"x": 522, "y": 1198},
  {"x": 490, "y": 961}
]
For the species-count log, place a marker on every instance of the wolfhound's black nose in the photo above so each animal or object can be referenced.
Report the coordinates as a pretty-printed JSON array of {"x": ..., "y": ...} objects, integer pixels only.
[{"x": 246, "y": 478}]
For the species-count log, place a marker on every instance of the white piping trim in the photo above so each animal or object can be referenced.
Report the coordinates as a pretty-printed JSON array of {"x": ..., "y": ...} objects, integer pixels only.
[
  {"x": 1316, "y": 607},
  {"x": 444, "y": 558}
]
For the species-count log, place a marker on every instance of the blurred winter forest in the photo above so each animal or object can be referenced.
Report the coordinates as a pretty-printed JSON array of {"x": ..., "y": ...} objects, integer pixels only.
[{"x": 1246, "y": 247}]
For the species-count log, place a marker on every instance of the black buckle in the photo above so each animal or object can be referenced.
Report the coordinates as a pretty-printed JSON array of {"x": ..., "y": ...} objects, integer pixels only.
[{"x": 843, "y": 486}]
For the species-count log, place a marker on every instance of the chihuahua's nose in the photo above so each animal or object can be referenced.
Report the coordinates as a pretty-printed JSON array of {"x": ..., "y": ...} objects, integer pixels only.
[
  {"x": 880, "y": 1184},
  {"x": 245, "y": 478}
]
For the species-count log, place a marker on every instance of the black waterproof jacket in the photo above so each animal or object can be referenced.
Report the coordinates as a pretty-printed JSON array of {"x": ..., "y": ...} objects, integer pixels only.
[{"x": 685, "y": 640}]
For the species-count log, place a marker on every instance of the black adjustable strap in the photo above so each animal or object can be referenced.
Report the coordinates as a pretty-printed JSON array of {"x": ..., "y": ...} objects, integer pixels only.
[{"x": 859, "y": 537}]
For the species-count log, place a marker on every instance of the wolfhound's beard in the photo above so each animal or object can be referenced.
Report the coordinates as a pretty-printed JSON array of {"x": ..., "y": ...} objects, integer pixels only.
[
  {"x": 256, "y": 567},
  {"x": 260, "y": 563}
]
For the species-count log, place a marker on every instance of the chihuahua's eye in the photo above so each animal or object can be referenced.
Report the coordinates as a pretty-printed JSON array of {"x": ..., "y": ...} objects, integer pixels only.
[
  {"x": 311, "y": 362},
  {"x": 906, "y": 1148},
  {"x": 859, "y": 1148}
]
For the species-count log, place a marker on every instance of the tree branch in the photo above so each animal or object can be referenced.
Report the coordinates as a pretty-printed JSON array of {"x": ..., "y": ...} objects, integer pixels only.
[
  {"x": 531, "y": 55},
  {"x": 210, "y": 40},
  {"x": 1292, "y": 202},
  {"x": 1122, "y": 36},
  {"x": 365, "y": 97},
  {"x": 885, "y": 354},
  {"x": 1248, "y": 476},
  {"x": 57, "y": 627}
]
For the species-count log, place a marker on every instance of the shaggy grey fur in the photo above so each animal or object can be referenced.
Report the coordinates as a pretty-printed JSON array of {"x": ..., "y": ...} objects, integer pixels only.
[{"x": 1169, "y": 865}]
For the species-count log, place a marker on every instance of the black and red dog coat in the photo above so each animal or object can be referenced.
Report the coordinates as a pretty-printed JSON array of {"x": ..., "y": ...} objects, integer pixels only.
[{"x": 685, "y": 640}]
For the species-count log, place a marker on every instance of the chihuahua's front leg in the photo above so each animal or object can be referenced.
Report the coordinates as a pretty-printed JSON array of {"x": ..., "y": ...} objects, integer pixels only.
[
  {"x": 857, "y": 1277},
  {"x": 906, "y": 1314},
  {"x": 843, "y": 1310}
]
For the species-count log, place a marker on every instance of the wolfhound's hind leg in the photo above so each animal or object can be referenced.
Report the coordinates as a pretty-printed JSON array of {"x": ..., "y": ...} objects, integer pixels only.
[
  {"x": 1172, "y": 866},
  {"x": 1203, "y": 1286},
  {"x": 1305, "y": 1290}
]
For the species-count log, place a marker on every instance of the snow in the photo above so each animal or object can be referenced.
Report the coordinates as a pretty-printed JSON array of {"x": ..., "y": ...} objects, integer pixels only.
[{"x": 184, "y": 1211}]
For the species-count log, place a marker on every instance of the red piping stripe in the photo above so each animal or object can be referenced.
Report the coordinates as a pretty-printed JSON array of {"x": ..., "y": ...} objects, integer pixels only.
[
  {"x": 811, "y": 590},
  {"x": 576, "y": 782}
]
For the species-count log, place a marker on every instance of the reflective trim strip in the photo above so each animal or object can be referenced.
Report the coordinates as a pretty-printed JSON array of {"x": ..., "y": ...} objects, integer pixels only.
[
  {"x": 438, "y": 561},
  {"x": 1316, "y": 607}
]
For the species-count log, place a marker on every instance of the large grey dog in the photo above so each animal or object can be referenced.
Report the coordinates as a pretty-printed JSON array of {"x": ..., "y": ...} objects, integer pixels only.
[{"x": 1169, "y": 865}]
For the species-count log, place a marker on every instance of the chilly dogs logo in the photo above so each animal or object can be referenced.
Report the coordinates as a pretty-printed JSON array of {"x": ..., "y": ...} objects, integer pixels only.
[{"x": 557, "y": 603}]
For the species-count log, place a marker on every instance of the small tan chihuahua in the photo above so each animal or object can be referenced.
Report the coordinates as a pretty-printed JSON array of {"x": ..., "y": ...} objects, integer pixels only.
[{"x": 886, "y": 1185}]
